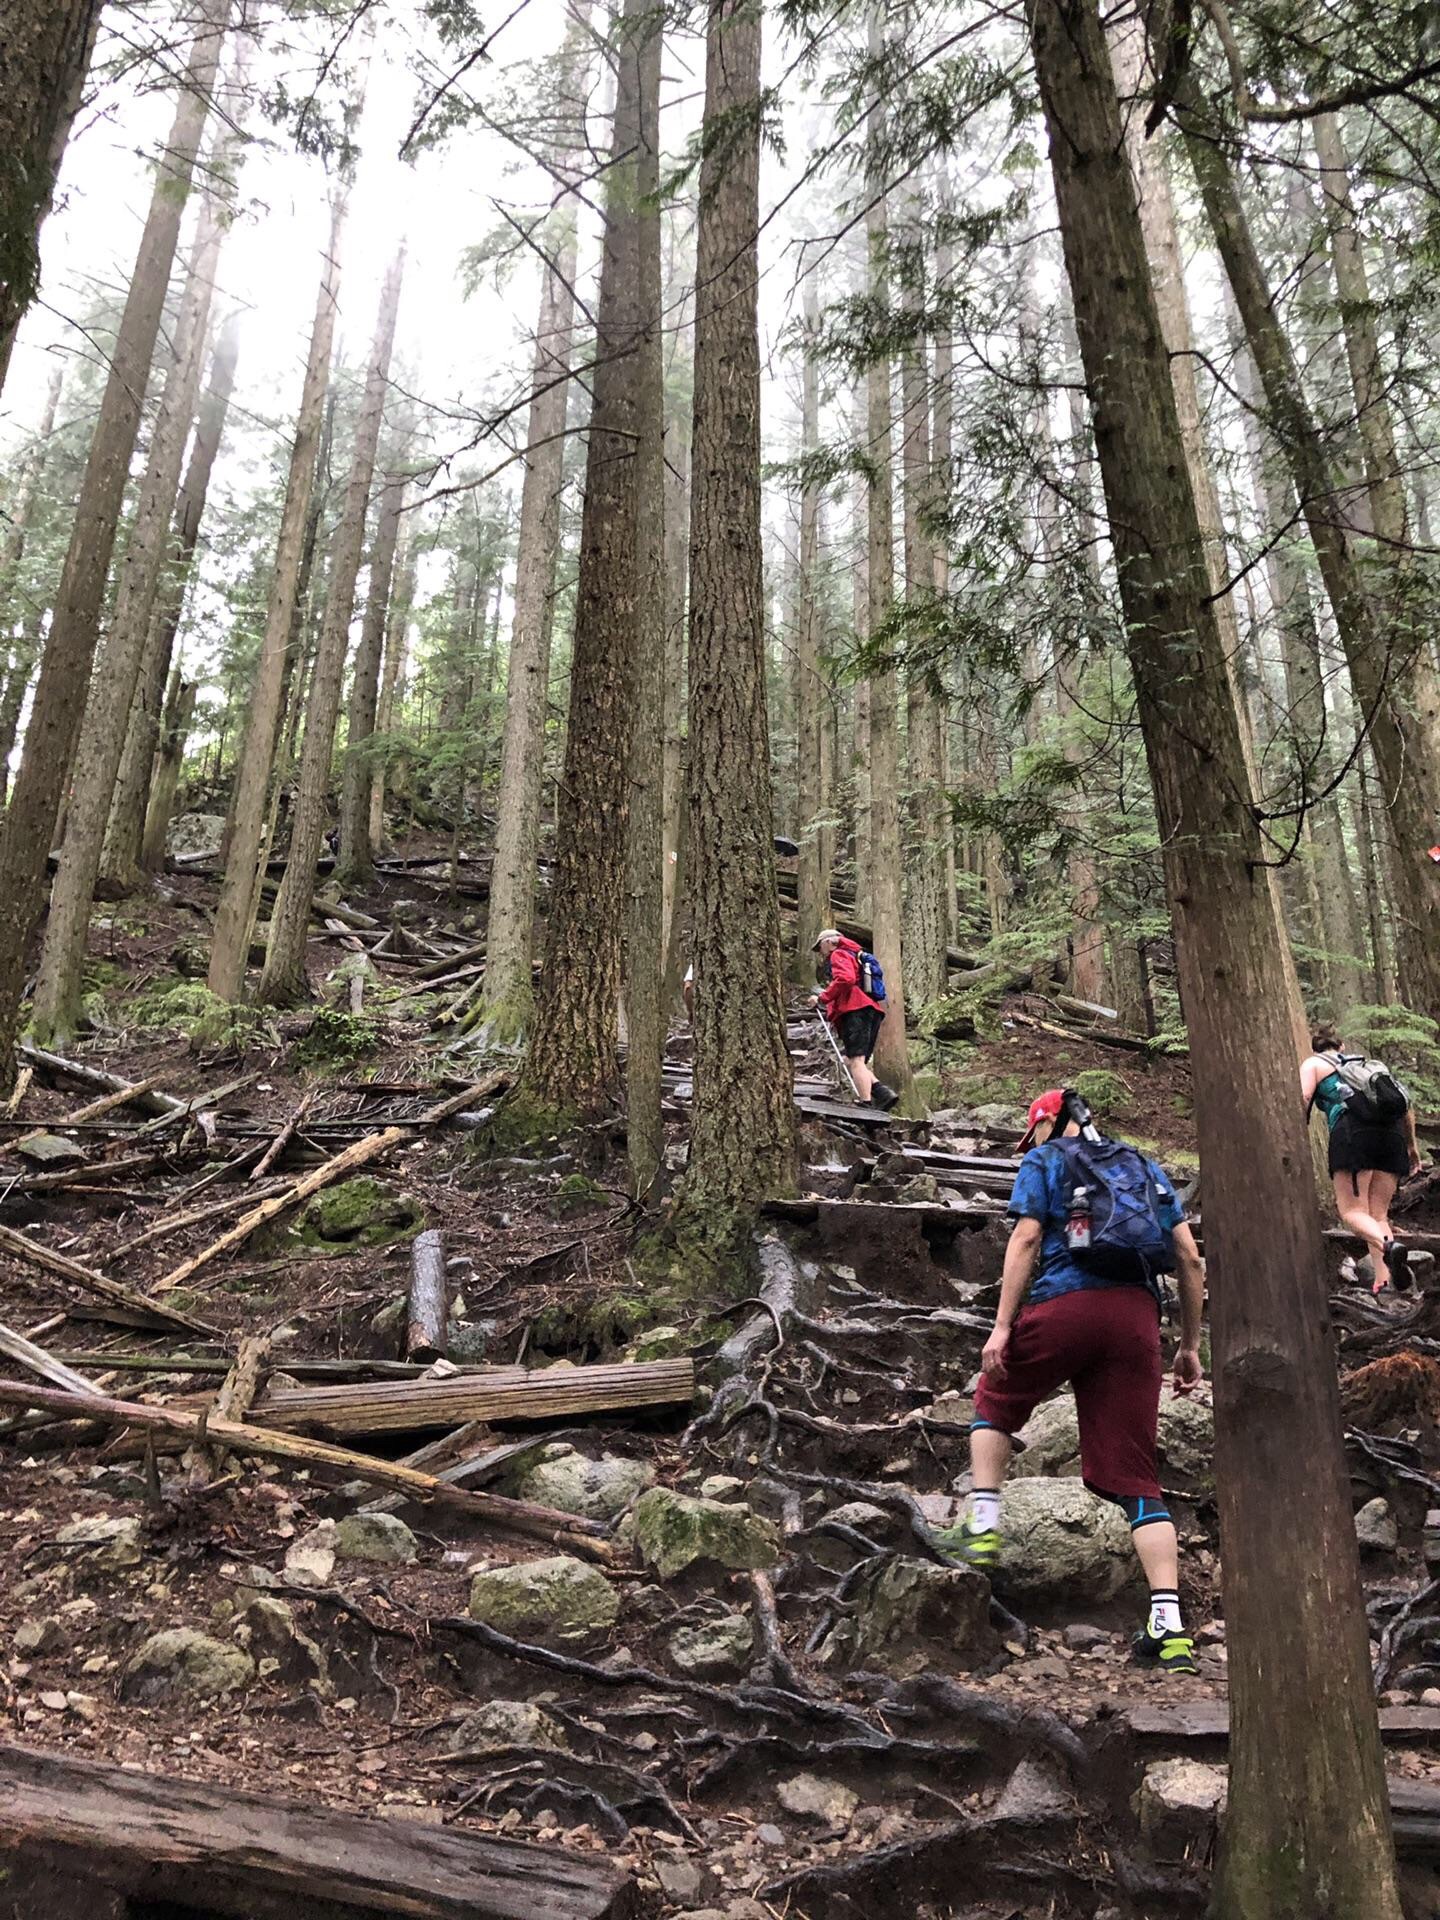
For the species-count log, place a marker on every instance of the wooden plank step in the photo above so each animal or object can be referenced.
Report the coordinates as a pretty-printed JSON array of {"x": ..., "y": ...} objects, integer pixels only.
[
  {"x": 881, "y": 1213},
  {"x": 1196, "y": 1723},
  {"x": 228, "y": 1852},
  {"x": 498, "y": 1393}
]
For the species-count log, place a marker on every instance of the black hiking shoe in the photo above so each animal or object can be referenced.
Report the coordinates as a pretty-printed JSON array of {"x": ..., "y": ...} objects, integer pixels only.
[
  {"x": 1170, "y": 1652},
  {"x": 883, "y": 1097},
  {"x": 1397, "y": 1262}
]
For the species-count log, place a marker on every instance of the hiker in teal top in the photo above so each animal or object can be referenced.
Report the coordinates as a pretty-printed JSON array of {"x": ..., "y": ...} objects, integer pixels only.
[{"x": 1373, "y": 1145}]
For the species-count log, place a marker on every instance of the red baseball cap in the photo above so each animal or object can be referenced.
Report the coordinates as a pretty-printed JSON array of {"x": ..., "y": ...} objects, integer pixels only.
[{"x": 1045, "y": 1107}]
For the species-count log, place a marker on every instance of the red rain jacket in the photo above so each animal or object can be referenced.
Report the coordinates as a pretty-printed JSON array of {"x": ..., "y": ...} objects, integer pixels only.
[{"x": 844, "y": 993}]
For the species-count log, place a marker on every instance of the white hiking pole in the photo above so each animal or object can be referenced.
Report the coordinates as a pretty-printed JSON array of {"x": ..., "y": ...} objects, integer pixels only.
[{"x": 829, "y": 1033}]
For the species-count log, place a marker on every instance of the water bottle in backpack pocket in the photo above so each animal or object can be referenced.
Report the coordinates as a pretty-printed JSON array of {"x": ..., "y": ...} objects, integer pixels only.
[{"x": 1113, "y": 1192}]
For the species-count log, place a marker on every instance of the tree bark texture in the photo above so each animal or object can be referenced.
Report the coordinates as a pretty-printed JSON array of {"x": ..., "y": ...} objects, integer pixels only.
[
  {"x": 282, "y": 980},
  {"x": 812, "y": 891},
  {"x": 742, "y": 1143},
  {"x": 170, "y": 755},
  {"x": 59, "y": 702},
  {"x": 44, "y": 56},
  {"x": 645, "y": 904},
  {"x": 511, "y": 925},
  {"x": 112, "y": 688},
  {"x": 1308, "y": 1830},
  {"x": 356, "y": 861},
  {"x": 120, "y": 858},
  {"x": 1381, "y": 657},
  {"x": 396, "y": 637},
  {"x": 234, "y": 911},
  {"x": 572, "y": 1065},
  {"x": 892, "y": 1054},
  {"x": 942, "y": 435},
  {"x": 677, "y": 548}
]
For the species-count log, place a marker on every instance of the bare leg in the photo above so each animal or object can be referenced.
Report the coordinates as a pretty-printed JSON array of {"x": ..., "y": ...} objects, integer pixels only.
[
  {"x": 1350, "y": 1205},
  {"x": 990, "y": 1458},
  {"x": 1378, "y": 1190},
  {"x": 862, "y": 1076},
  {"x": 1159, "y": 1554}
]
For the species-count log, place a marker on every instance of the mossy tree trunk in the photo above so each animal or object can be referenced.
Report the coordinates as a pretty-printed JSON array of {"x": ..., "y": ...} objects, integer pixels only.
[{"x": 812, "y": 888}]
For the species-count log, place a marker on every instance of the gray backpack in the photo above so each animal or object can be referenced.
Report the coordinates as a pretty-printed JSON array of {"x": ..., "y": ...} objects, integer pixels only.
[{"x": 1372, "y": 1094}]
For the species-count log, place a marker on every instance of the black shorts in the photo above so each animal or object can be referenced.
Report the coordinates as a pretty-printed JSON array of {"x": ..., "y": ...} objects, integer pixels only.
[
  {"x": 1356, "y": 1148},
  {"x": 859, "y": 1030}
]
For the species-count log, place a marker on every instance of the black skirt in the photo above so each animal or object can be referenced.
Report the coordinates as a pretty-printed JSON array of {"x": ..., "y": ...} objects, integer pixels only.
[{"x": 1356, "y": 1148}]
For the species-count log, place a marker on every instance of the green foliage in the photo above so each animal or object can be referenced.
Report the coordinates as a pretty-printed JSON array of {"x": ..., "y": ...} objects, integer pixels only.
[
  {"x": 1105, "y": 1092},
  {"x": 576, "y": 1192},
  {"x": 334, "y": 1038},
  {"x": 189, "y": 1007},
  {"x": 1407, "y": 1041}
]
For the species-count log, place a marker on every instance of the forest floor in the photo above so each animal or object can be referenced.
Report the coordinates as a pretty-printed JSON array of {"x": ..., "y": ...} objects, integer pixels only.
[{"x": 777, "y": 1701}]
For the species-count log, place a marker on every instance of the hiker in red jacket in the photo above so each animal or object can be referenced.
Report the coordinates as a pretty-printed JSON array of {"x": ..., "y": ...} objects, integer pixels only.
[{"x": 855, "y": 1016}]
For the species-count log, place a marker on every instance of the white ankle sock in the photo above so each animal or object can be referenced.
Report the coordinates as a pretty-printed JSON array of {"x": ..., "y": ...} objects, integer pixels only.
[
  {"x": 984, "y": 1509},
  {"x": 1164, "y": 1613}
]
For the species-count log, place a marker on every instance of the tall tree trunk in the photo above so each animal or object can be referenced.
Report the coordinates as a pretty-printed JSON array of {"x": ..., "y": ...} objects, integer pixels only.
[
  {"x": 59, "y": 702},
  {"x": 356, "y": 860},
  {"x": 282, "y": 980},
  {"x": 645, "y": 907},
  {"x": 1309, "y": 1832},
  {"x": 174, "y": 725},
  {"x": 812, "y": 892},
  {"x": 22, "y": 505},
  {"x": 942, "y": 418},
  {"x": 120, "y": 857},
  {"x": 44, "y": 56},
  {"x": 742, "y": 1141},
  {"x": 511, "y": 924},
  {"x": 1395, "y": 703},
  {"x": 892, "y": 1053},
  {"x": 234, "y": 913},
  {"x": 860, "y": 622},
  {"x": 572, "y": 1064},
  {"x": 58, "y": 989},
  {"x": 396, "y": 637}
]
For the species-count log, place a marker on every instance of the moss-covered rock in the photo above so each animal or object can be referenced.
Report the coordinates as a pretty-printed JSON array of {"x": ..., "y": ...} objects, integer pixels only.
[
  {"x": 717, "y": 1650},
  {"x": 558, "y": 1601},
  {"x": 906, "y": 1616},
  {"x": 189, "y": 1007},
  {"x": 659, "y": 1343},
  {"x": 182, "y": 1661},
  {"x": 362, "y": 1212},
  {"x": 381, "y": 1538},
  {"x": 507, "y": 1723},
  {"x": 571, "y": 1482},
  {"x": 675, "y": 1531}
]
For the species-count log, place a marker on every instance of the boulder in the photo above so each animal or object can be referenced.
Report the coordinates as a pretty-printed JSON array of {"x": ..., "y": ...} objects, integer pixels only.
[
  {"x": 280, "y": 1649},
  {"x": 506, "y": 1723},
  {"x": 48, "y": 1149},
  {"x": 1035, "y": 1795},
  {"x": 113, "y": 1539},
  {"x": 360, "y": 1212},
  {"x": 996, "y": 1114},
  {"x": 1179, "y": 1805},
  {"x": 183, "y": 1661},
  {"x": 33, "y": 1637},
  {"x": 1059, "y": 1543},
  {"x": 558, "y": 1601},
  {"x": 717, "y": 1650},
  {"x": 812, "y": 1798},
  {"x": 380, "y": 1538},
  {"x": 675, "y": 1531},
  {"x": 1185, "y": 1441},
  {"x": 1376, "y": 1527},
  {"x": 470, "y": 1341},
  {"x": 310, "y": 1560},
  {"x": 195, "y": 833},
  {"x": 907, "y": 1616},
  {"x": 568, "y": 1480},
  {"x": 721, "y": 1486}
]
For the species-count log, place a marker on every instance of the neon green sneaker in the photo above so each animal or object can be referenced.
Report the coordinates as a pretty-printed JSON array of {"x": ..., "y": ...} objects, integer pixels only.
[
  {"x": 969, "y": 1546},
  {"x": 1171, "y": 1652}
]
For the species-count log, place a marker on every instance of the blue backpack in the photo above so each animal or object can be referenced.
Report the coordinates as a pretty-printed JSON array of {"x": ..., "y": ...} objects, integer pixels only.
[
  {"x": 872, "y": 976},
  {"x": 1128, "y": 1241}
]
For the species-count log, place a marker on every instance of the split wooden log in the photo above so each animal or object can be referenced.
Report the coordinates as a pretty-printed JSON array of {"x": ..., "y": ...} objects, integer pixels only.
[
  {"x": 171, "y": 1423},
  {"x": 462, "y": 957},
  {"x": 233, "y": 1401},
  {"x": 283, "y": 1138},
  {"x": 19, "y": 1091},
  {"x": 39, "y": 1255},
  {"x": 44, "y": 1365},
  {"x": 215, "y": 1850},
  {"x": 427, "y": 1322},
  {"x": 57, "y": 1066},
  {"x": 496, "y": 1393},
  {"x": 360, "y": 1154}
]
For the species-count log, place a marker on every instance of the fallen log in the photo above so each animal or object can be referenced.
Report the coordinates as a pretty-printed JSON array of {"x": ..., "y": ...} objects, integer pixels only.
[
  {"x": 357, "y": 1155},
  {"x": 42, "y": 1364},
  {"x": 283, "y": 1138},
  {"x": 56, "y": 1065},
  {"x": 173, "y": 1222},
  {"x": 516, "y": 1516},
  {"x": 427, "y": 1319},
  {"x": 93, "y": 1109},
  {"x": 214, "y": 1850},
  {"x": 497, "y": 1393},
  {"x": 39, "y": 1255},
  {"x": 233, "y": 1401}
]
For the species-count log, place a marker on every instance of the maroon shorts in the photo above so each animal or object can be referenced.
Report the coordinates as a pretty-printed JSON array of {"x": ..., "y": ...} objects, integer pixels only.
[{"x": 1105, "y": 1342}]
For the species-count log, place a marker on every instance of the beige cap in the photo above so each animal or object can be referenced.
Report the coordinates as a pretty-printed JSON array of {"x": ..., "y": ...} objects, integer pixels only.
[{"x": 826, "y": 933}]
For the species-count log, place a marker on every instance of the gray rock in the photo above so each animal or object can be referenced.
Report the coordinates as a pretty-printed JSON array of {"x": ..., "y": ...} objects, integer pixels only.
[
  {"x": 34, "y": 1637},
  {"x": 680, "y": 1880},
  {"x": 1059, "y": 1543},
  {"x": 1035, "y": 1796},
  {"x": 49, "y": 1149},
  {"x": 182, "y": 1661},
  {"x": 470, "y": 1340},
  {"x": 195, "y": 833},
  {"x": 1083, "y": 1638},
  {"x": 569, "y": 1481},
  {"x": 1376, "y": 1527},
  {"x": 675, "y": 1530},
  {"x": 390, "y": 1322},
  {"x": 381, "y": 1538},
  {"x": 718, "y": 1650},
  {"x": 996, "y": 1114},
  {"x": 909, "y": 1615},
  {"x": 810, "y": 1797},
  {"x": 1179, "y": 1805},
  {"x": 658, "y": 1343},
  {"x": 507, "y": 1723},
  {"x": 280, "y": 1649},
  {"x": 558, "y": 1601},
  {"x": 859, "y": 1514},
  {"x": 310, "y": 1560},
  {"x": 721, "y": 1486},
  {"x": 769, "y": 1836},
  {"x": 113, "y": 1539},
  {"x": 1185, "y": 1441}
]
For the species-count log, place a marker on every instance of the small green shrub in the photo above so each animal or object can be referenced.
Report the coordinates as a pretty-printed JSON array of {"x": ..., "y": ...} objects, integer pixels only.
[
  {"x": 334, "y": 1038},
  {"x": 189, "y": 1007},
  {"x": 1106, "y": 1092}
]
